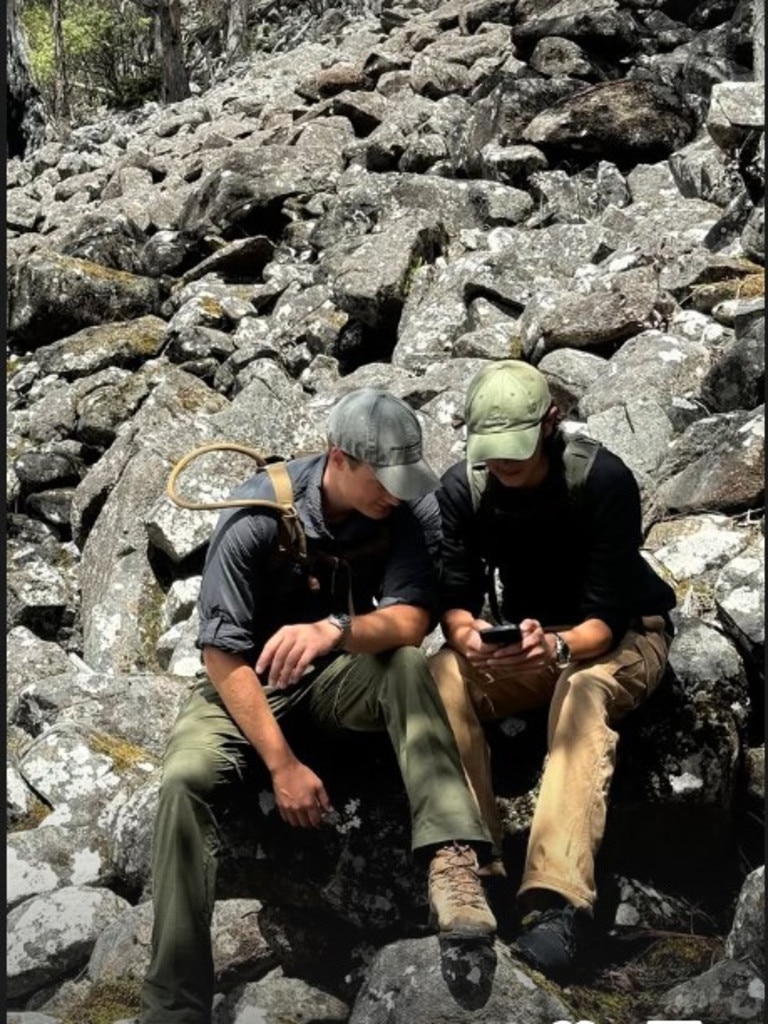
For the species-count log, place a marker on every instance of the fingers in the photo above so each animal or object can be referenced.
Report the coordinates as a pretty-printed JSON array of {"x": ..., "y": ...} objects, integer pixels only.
[
  {"x": 284, "y": 661},
  {"x": 289, "y": 653},
  {"x": 305, "y": 817},
  {"x": 301, "y": 798}
]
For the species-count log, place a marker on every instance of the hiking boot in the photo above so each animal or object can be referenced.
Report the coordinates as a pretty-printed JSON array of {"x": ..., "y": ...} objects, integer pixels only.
[
  {"x": 456, "y": 899},
  {"x": 553, "y": 941}
]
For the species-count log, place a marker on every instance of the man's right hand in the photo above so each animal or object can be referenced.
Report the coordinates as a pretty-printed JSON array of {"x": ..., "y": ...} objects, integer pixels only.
[{"x": 300, "y": 795}]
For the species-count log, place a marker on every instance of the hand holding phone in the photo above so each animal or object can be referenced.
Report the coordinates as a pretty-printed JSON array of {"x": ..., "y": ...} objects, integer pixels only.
[{"x": 509, "y": 633}]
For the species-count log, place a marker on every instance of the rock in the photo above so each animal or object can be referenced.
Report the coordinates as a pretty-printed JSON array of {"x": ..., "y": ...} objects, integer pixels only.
[
  {"x": 654, "y": 364},
  {"x": 739, "y": 590},
  {"x": 736, "y": 109},
  {"x": 701, "y": 171},
  {"x": 42, "y": 860},
  {"x": 394, "y": 252},
  {"x": 240, "y": 953},
  {"x": 51, "y": 936},
  {"x": 422, "y": 979},
  {"x": 52, "y": 296},
  {"x": 724, "y": 478},
  {"x": 619, "y": 121},
  {"x": 124, "y": 345},
  {"x": 746, "y": 939},
  {"x": 276, "y": 997},
  {"x": 729, "y": 991}
]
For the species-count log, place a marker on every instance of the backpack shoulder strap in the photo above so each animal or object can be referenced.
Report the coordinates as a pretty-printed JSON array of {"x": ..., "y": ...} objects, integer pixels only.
[
  {"x": 477, "y": 478},
  {"x": 292, "y": 538},
  {"x": 578, "y": 457}
]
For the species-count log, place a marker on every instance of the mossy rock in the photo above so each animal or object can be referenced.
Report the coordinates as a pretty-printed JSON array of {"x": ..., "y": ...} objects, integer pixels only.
[{"x": 106, "y": 1002}]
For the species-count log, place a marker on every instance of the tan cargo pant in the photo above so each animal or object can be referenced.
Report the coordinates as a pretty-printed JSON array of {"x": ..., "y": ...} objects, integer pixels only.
[{"x": 585, "y": 699}]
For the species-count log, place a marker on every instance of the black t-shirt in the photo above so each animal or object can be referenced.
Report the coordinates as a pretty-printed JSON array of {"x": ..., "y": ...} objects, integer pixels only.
[
  {"x": 560, "y": 559},
  {"x": 248, "y": 591}
]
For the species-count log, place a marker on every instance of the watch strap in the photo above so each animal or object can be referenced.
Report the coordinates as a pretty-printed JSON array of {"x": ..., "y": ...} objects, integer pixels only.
[
  {"x": 562, "y": 651},
  {"x": 343, "y": 623}
]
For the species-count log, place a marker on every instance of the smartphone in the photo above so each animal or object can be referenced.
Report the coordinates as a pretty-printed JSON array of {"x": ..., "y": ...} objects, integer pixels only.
[{"x": 503, "y": 635}]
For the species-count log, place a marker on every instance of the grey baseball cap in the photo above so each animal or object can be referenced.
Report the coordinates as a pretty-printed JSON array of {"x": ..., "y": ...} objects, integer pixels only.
[{"x": 375, "y": 427}]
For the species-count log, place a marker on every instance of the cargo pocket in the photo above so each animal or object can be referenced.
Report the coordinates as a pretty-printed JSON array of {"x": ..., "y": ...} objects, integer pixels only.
[{"x": 637, "y": 666}]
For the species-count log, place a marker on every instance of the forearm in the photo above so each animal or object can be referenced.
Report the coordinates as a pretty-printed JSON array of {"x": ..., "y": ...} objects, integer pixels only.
[
  {"x": 239, "y": 688},
  {"x": 457, "y": 625},
  {"x": 397, "y": 625},
  {"x": 589, "y": 639}
]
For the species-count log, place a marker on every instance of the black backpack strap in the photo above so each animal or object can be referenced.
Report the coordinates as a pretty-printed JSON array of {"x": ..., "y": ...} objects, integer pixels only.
[{"x": 578, "y": 457}]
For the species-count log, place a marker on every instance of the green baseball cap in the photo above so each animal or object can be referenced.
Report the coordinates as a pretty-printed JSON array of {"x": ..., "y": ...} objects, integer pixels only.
[
  {"x": 375, "y": 427},
  {"x": 505, "y": 405}
]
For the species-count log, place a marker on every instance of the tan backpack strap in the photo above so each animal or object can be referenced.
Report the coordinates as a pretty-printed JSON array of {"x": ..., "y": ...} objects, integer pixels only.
[
  {"x": 214, "y": 446},
  {"x": 295, "y": 539},
  {"x": 293, "y": 531},
  {"x": 281, "y": 483}
]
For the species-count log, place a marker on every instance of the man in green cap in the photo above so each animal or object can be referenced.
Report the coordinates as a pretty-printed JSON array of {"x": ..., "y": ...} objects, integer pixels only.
[
  {"x": 558, "y": 525},
  {"x": 335, "y": 642}
]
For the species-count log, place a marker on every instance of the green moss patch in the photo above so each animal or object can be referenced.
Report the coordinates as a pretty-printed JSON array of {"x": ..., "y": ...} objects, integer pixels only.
[
  {"x": 107, "y": 1001},
  {"x": 630, "y": 993},
  {"x": 125, "y": 756}
]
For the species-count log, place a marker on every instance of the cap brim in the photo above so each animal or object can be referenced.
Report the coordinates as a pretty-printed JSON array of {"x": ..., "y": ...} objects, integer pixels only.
[
  {"x": 511, "y": 444},
  {"x": 409, "y": 481}
]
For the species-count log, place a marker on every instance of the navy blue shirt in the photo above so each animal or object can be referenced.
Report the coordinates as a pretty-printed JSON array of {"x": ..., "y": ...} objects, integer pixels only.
[
  {"x": 249, "y": 591},
  {"x": 559, "y": 561}
]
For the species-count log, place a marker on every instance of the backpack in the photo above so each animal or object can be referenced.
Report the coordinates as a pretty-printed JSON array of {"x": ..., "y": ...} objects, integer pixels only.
[
  {"x": 578, "y": 457},
  {"x": 579, "y": 454},
  {"x": 292, "y": 540}
]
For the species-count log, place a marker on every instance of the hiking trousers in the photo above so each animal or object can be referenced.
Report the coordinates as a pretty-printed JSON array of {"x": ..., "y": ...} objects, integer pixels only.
[
  {"x": 392, "y": 692},
  {"x": 585, "y": 700}
]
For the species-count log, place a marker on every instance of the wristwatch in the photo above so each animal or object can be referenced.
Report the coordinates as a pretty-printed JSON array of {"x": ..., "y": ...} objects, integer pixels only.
[
  {"x": 343, "y": 623},
  {"x": 562, "y": 652}
]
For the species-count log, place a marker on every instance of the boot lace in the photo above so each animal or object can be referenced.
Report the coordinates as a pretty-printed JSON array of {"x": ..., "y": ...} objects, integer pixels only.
[{"x": 455, "y": 872}]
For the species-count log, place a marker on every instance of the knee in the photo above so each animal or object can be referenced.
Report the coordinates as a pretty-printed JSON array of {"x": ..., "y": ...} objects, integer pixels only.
[
  {"x": 407, "y": 662},
  {"x": 444, "y": 667},
  {"x": 585, "y": 686},
  {"x": 186, "y": 773}
]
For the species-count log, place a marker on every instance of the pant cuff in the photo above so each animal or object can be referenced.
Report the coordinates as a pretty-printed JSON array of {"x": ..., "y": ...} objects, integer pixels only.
[{"x": 578, "y": 897}]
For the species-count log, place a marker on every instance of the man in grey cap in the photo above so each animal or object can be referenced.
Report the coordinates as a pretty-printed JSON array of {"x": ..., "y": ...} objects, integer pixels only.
[
  {"x": 558, "y": 524},
  {"x": 336, "y": 640}
]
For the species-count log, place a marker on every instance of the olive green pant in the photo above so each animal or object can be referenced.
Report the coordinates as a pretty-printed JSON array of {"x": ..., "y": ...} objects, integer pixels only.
[
  {"x": 393, "y": 692},
  {"x": 585, "y": 701}
]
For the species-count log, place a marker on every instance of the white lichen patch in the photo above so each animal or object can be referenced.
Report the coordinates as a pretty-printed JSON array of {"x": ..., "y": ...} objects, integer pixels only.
[
  {"x": 756, "y": 989},
  {"x": 686, "y": 782},
  {"x": 24, "y": 878}
]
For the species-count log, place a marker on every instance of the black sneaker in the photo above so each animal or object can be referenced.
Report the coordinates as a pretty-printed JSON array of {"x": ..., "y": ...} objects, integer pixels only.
[{"x": 553, "y": 941}]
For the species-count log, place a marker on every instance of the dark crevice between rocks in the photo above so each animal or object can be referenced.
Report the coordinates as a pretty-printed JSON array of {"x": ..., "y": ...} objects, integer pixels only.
[
  {"x": 268, "y": 219},
  {"x": 359, "y": 343},
  {"x": 166, "y": 571}
]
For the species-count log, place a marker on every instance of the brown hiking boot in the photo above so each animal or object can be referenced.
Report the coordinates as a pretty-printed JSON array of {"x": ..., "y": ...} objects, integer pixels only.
[{"x": 456, "y": 900}]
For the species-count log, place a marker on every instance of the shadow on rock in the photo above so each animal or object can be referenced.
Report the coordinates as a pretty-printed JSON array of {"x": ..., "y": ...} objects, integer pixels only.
[{"x": 468, "y": 968}]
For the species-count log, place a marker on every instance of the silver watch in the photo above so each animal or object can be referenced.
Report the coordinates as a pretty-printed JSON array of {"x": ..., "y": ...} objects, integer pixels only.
[
  {"x": 343, "y": 623},
  {"x": 562, "y": 652}
]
